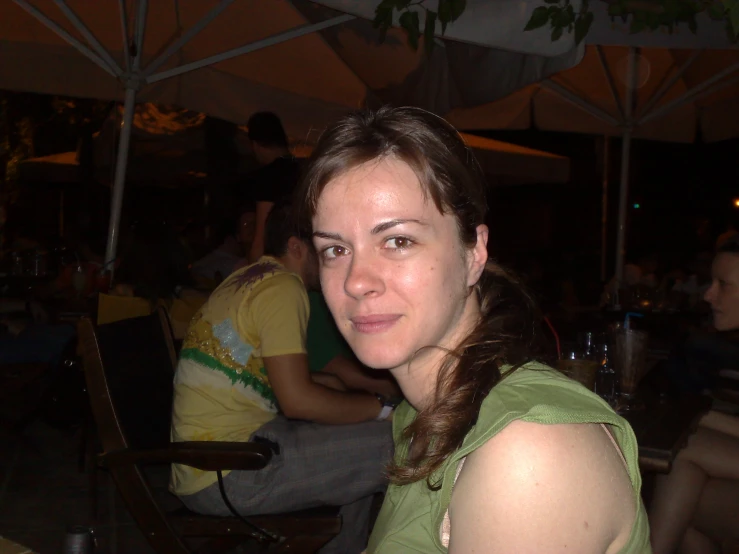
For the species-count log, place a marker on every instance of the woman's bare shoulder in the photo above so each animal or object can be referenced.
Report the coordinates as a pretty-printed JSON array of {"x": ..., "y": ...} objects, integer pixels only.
[{"x": 543, "y": 488}]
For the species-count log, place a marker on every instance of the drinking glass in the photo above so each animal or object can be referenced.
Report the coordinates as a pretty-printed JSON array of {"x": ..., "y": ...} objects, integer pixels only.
[
  {"x": 630, "y": 357},
  {"x": 579, "y": 367},
  {"x": 79, "y": 280}
]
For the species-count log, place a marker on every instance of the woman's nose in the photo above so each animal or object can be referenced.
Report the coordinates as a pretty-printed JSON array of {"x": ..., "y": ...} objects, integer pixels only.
[{"x": 363, "y": 278}]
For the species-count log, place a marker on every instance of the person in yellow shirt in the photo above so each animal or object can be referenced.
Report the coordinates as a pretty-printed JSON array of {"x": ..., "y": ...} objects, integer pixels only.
[{"x": 243, "y": 375}]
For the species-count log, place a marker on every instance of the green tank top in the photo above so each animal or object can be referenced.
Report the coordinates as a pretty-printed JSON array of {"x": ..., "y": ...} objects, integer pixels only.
[{"x": 411, "y": 517}]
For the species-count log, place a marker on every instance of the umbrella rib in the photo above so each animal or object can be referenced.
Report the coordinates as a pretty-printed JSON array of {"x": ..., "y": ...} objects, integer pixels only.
[
  {"x": 139, "y": 34},
  {"x": 91, "y": 39},
  {"x": 692, "y": 94},
  {"x": 580, "y": 102},
  {"x": 84, "y": 50},
  {"x": 186, "y": 37},
  {"x": 611, "y": 82},
  {"x": 124, "y": 31},
  {"x": 667, "y": 85},
  {"x": 258, "y": 45}
]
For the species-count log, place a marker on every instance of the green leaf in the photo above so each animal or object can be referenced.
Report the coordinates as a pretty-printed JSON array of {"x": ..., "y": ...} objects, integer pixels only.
[
  {"x": 383, "y": 18},
  {"x": 692, "y": 24},
  {"x": 615, "y": 10},
  {"x": 733, "y": 14},
  {"x": 539, "y": 18},
  {"x": 557, "y": 33},
  {"x": 400, "y": 5},
  {"x": 716, "y": 11},
  {"x": 457, "y": 8},
  {"x": 570, "y": 14},
  {"x": 428, "y": 32},
  {"x": 383, "y": 14},
  {"x": 582, "y": 26},
  {"x": 637, "y": 25},
  {"x": 551, "y": 1},
  {"x": 445, "y": 14},
  {"x": 410, "y": 22}
]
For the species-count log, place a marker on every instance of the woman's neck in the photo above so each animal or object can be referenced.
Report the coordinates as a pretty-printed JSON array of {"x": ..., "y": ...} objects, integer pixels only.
[{"x": 418, "y": 378}]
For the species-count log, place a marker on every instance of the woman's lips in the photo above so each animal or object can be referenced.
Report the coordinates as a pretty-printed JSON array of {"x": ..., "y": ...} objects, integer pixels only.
[{"x": 374, "y": 323}]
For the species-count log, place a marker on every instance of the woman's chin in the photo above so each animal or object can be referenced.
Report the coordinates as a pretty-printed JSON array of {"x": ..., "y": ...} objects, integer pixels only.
[{"x": 379, "y": 360}]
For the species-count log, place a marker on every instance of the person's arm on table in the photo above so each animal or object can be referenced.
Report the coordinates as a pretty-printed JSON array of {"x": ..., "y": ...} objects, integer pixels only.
[
  {"x": 300, "y": 397},
  {"x": 355, "y": 378}
]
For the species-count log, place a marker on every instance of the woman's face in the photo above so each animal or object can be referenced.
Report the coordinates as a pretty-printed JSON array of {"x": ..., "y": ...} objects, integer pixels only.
[
  {"x": 393, "y": 269},
  {"x": 723, "y": 295}
]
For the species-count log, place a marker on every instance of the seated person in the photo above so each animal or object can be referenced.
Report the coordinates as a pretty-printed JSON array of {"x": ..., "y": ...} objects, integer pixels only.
[
  {"x": 212, "y": 268},
  {"x": 243, "y": 375},
  {"x": 695, "y": 506},
  {"x": 695, "y": 365},
  {"x": 26, "y": 336}
]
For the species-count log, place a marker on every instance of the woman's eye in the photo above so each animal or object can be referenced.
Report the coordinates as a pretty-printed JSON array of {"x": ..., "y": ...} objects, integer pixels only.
[
  {"x": 331, "y": 252},
  {"x": 398, "y": 243}
]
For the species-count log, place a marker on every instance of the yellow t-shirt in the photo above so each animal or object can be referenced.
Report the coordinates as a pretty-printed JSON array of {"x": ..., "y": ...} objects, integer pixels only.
[{"x": 221, "y": 389}]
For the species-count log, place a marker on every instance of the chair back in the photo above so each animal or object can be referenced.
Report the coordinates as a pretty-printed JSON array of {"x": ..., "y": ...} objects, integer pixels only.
[
  {"x": 129, "y": 366},
  {"x": 129, "y": 369}
]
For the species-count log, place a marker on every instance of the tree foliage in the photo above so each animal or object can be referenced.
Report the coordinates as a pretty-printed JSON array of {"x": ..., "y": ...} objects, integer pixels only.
[{"x": 562, "y": 17}]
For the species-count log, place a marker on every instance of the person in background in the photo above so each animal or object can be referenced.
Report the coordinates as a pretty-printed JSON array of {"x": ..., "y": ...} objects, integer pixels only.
[
  {"x": 494, "y": 453},
  {"x": 212, "y": 268},
  {"x": 695, "y": 364},
  {"x": 275, "y": 180},
  {"x": 153, "y": 262},
  {"x": 730, "y": 233},
  {"x": 243, "y": 375}
]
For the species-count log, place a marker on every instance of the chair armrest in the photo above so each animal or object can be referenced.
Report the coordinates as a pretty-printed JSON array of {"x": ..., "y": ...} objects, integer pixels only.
[{"x": 204, "y": 455}]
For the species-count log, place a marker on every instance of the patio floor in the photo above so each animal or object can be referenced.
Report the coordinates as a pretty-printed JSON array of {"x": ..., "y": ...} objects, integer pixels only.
[{"x": 42, "y": 491}]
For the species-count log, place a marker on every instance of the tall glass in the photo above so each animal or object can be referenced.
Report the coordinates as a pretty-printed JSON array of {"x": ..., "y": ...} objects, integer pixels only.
[{"x": 630, "y": 360}]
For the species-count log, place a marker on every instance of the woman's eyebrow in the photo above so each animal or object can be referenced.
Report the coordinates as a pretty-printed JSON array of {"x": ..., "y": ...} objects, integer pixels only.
[
  {"x": 392, "y": 223},
  {"x": 329, "y": 236}
]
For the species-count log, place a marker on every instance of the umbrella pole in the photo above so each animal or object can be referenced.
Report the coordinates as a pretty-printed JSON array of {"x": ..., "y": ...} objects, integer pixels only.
[
  {"x": 604, "y": 210},
  {"x": 625, "y": 164},
  {"x": 120, "y": 179},
  {"x": 623, "y": 196}
]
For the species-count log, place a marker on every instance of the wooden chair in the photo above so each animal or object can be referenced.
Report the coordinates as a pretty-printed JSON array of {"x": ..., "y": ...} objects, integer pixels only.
[{"x": 129, "y": 368}]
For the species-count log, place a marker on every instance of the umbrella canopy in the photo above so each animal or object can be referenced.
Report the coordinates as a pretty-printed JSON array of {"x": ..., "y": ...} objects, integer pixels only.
[
  {"x": 308, "y": 62},
  {"x": 677, "y": 94},
  {"x": 319, "y": 62},
  {"x": 648, "y": 85}
]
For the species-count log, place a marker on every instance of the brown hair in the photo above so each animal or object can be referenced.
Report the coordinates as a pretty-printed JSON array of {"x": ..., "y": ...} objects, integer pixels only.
[{"x": 450, "y": 175}]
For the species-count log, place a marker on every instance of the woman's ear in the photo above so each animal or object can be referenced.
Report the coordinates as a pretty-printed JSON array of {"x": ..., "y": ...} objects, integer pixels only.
[{"x": 477, "y": 256}]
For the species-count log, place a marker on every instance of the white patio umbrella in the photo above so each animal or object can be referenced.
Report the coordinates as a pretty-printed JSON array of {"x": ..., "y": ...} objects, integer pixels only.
[
  {"x": 307, "y": 62},
  {"x": 648, "y": 85}
]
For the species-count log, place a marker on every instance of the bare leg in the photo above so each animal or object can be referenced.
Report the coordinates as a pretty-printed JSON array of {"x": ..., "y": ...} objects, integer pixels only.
[
  {"x": 695, "y": 542},
  {"x": 717, "y": 516},
  {"x": 709, "y": 454},
  {"x": 723, "y": 423},
  {"x": 676, "y": 497}
]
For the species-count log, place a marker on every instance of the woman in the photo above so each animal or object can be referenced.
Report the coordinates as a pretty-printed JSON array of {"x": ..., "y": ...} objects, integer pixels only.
[
  {"x": 397, "y": 207},
  {"x": 696, "y": 506}
]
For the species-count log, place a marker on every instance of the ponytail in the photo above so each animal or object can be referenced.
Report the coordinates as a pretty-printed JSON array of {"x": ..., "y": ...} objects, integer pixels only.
[{"x": 503, "y": 336}]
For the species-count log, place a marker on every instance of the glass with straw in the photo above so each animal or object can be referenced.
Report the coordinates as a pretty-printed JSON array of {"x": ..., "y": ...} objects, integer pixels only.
[{"x": 629, "y": 349}]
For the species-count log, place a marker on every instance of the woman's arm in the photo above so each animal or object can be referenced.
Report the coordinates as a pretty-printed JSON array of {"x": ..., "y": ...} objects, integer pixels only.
[{"x": 543, "y": 488}]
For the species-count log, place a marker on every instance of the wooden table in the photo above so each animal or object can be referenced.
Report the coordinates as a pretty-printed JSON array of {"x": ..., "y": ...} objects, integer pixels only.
[
  {"x": 10, "y": 547},
  {"x": 663, "y": 428}
]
